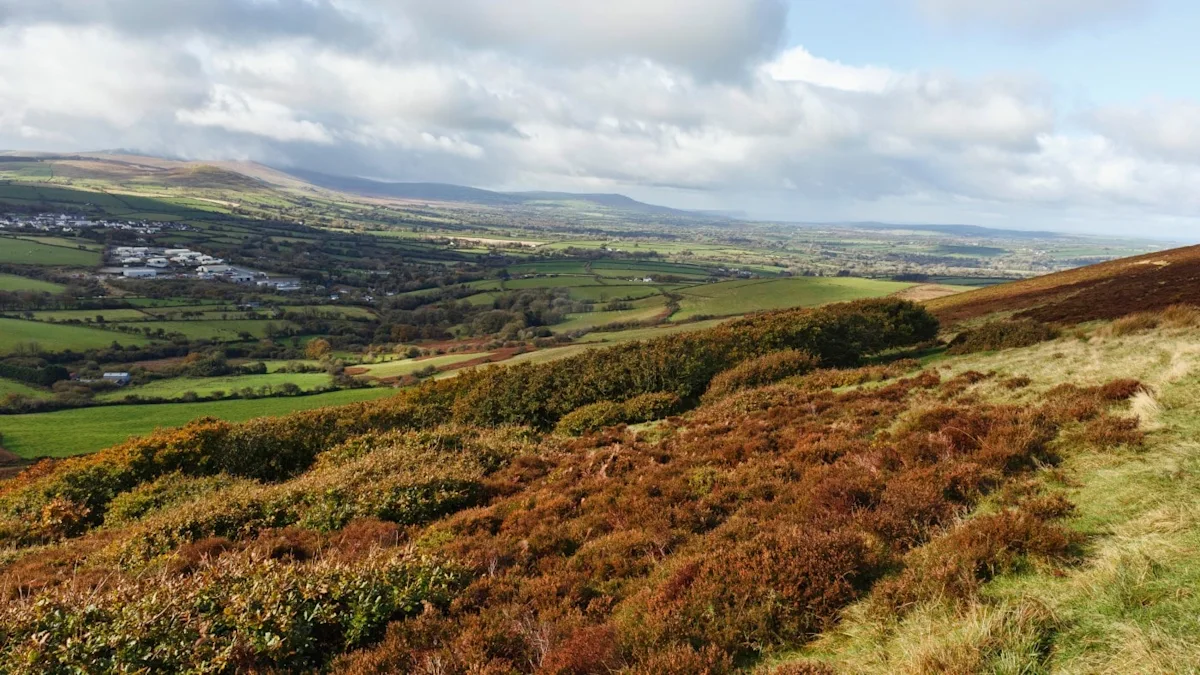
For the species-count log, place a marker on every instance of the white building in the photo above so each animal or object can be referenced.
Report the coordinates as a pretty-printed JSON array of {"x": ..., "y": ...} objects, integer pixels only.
[
  {"x": 158, "y": 262},
  {"x": 139, "y": 273}
]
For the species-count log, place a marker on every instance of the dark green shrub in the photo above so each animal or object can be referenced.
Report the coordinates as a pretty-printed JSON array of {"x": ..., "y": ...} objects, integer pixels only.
[
  {"x": 998, "y": 335},
  {"x": 761, "y": 371}
]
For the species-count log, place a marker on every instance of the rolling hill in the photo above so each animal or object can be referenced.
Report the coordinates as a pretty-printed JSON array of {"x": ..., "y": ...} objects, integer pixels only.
[{"x": 1106, "y": 291}]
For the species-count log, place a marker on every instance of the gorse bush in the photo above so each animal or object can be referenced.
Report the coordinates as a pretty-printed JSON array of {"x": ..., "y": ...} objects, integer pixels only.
[
  {"x": 760, "y": 371},
  {"x": 997, "y": 335},
  {"x": 597, "y": 416},
  {"x": 69, "y": 497}
]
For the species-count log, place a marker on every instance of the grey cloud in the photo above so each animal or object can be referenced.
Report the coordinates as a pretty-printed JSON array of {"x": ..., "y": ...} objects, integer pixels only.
[
  {"x": 236, "y": 20},
  {"x": 707, "y": 37}
]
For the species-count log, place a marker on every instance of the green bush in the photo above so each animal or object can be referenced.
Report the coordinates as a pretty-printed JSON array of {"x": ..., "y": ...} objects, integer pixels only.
[
  {"x": 597, "y": 416},
  {"x": 234, "y": 615},
  {"x": 170, "y": 490},
  {"x": 997, "y": 335},
  {"x": 761, "y": 371}
]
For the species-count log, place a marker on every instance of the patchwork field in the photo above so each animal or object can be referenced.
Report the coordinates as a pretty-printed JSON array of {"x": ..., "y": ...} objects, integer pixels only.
[
  {"x": 75, "y": 432},
  {"x": 409, "y": 366},
  {"x": 205, "y": 386},
  {"x": 731, "y": 298},
  {"x": 59, "y": 337}
]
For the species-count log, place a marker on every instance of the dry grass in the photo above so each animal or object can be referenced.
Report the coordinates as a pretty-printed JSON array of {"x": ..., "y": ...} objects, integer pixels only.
[{"x": 1130, "y": 605}]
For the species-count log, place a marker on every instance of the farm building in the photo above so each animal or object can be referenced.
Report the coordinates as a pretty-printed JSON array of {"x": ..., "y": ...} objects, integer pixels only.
[
  {"x": 157, "y": 262},
  {"x": 139, "y": 273},
  {"x": 119, "y": 379},
  {"x": 214, "y": 269}
]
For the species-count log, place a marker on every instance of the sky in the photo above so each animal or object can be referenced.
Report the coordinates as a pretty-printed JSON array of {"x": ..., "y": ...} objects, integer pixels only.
[{"x": 1067, "y": 115}]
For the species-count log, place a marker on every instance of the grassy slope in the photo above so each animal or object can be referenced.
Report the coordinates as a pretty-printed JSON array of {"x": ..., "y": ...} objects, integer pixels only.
[
  {"x": 14, "y": 387},
  {"x": 410, "y": 366},
  {"x": 1129, "y": 605},
  {"x": 14, "y": 332},
  {"x": 74, "y": 432},
  {"x": 11, "y": 282},
  {"x": 23, "y": 252}
]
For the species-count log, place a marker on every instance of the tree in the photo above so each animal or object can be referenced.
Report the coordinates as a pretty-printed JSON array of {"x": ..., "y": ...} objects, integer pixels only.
[{"x": 318, "y": 349}]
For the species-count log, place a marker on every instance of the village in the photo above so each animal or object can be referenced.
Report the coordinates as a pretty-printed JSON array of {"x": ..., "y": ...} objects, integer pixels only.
[{"x": 153, "y": 262}]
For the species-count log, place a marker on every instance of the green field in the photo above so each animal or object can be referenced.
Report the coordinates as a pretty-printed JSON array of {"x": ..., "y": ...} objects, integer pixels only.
[
  {"x": 110, "y": 315},
  {"x": 589, "y": 320},
  {"x": 652, "y": 332},
  {"x": 731, "y": 298},
  {"x": 409, "y": 366},
  {"x": 23, "y": 252},
  {"x": 12, "y": 282},
  {"x": 220, "y": 331},
  {"x": 12, "y": 387},
  {"x": 76, "y": 432},
  {"x": 204, "y": 386},
  {"x": 59, "y": 337}
]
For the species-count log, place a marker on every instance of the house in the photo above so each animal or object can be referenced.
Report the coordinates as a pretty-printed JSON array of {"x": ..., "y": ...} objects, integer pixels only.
[
  {"x": 119, "y": 379},
  {"x": 139, "y": 273}
]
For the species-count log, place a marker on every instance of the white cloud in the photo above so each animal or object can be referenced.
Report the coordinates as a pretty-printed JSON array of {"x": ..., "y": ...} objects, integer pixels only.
[{"x": 244, "y": 113}]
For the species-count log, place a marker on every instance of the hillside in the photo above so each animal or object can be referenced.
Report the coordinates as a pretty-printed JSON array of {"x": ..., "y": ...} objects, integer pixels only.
[
  {"x": 786, "y": 493},
  {"x": 1105, "y": 291}
]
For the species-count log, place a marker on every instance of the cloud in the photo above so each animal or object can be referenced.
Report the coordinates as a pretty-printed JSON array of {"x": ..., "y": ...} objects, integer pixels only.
[
  {"x": 1030, "y": 17},
  {"x": 707, "y": 37},
  {"x": 1167, "y": 130}
]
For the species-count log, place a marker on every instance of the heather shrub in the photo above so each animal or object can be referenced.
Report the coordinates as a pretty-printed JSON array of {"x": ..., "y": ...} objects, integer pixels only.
[
  {"x": 232, "y": 614},
  {"x": 170, "y": 490},
  {"x": 954, "y": 566},
  {"x": 757, "y": 372},
  {"x": 997, "y": 335},
  {"x": 397, "y": 484}
]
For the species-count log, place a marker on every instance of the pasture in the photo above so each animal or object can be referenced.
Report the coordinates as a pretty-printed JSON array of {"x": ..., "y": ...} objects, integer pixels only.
[
  {"x": 731, "y": 298},
  {"x": 409, "y": 366},
  {"x": 175, "y": 388},
  {"x": 13, "y": 387},
  {"x": 12, "y": 282},
  {"x": 25, "y": 252},
  {"x": 59, "y": 337},
  {"x": 76, "y": 432}
]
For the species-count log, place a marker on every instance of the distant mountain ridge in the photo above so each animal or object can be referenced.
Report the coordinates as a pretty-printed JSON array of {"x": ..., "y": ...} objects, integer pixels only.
[{"x": 446, "y": 192}]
